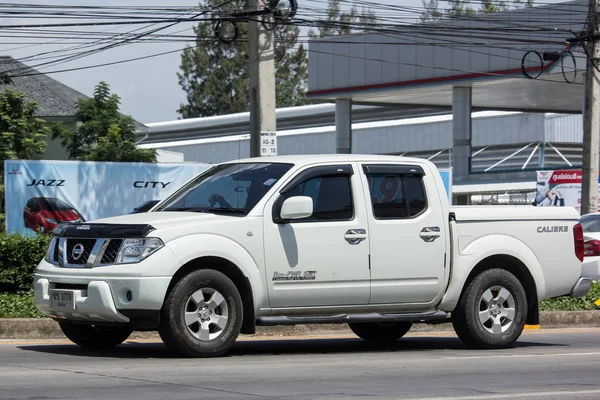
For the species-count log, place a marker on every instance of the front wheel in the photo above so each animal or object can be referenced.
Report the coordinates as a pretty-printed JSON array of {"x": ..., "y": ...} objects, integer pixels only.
[
  {"x": 380, "y": 331},
  {"x": 94, "y": 337},
  {"x": 492, "y": 311},
  {"x": 202, "y": 315}
]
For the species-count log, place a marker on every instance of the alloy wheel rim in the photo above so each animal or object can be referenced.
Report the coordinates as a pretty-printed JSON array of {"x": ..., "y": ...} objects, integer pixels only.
[
  {"x": 206, "y": 314},
  {"x": 497, "y": 309}
]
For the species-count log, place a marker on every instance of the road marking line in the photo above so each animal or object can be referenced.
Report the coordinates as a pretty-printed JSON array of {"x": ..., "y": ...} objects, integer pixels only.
[
  {"x": 512, "y": 395},
  {"x": 532, "y": 327},
  {"x": 596, "y": 353}
]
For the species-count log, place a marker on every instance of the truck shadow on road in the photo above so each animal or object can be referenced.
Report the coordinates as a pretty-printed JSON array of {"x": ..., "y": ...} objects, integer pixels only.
[{"x": 136, "y": 349}]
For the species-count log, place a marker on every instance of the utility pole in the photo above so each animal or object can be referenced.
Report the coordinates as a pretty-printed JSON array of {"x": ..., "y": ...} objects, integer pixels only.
[
  {"x": 591, "y": 117},
  {"x": 263, "y": 123}
]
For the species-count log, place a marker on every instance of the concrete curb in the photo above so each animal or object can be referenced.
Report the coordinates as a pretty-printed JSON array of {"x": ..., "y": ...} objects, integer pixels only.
[{"x": 45, "y": 328}]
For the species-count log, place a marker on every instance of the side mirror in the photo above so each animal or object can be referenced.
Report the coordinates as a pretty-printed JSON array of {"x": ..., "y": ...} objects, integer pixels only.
[{"x": 296, "y": 207}]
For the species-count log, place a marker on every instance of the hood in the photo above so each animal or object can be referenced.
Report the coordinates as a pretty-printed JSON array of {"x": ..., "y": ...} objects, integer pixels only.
[{"x": 164, "y": 219}]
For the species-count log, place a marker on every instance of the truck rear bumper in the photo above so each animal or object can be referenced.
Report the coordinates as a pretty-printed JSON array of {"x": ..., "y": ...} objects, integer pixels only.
[
  {"x": 582, "y": 286},
  {"x": 591, "y": 267}
]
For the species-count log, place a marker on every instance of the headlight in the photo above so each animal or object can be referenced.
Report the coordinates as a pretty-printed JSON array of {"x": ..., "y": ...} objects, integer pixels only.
[
  {"x": 135, "y": 250},
  {"x": 52, "y": 221}
]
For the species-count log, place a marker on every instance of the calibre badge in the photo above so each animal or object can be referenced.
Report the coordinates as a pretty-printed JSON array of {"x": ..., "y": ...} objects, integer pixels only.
[
  {"x": 552, "y": 229},
  {"x": 295, "y": 276}
]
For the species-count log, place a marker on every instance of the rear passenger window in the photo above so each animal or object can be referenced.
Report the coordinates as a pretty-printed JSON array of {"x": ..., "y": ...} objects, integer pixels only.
[{"x": 396, "y": 195}]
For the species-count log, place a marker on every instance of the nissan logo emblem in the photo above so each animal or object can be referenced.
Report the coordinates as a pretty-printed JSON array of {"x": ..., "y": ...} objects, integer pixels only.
[{"x": 77, "y": 251}]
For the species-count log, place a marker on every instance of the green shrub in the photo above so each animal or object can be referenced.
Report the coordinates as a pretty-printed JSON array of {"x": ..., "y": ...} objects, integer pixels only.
[
  {"x": 19, "y": 256},
  {"x": 19, "y": 305},
  {"x": 567, "y": 303}
]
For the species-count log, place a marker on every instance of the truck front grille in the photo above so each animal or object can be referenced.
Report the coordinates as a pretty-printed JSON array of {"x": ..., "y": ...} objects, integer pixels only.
[
  {"x": 78, "y": 253},
  {"x": 55, "y": 251},
  {"x": 79, "y": 250},
  {"x": 110, "y": 254}
]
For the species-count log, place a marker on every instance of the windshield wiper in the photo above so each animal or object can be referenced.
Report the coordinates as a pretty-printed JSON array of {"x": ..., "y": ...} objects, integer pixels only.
[
  {"x": 182, "y": 209},
  {"x": 225, "y": 209}
]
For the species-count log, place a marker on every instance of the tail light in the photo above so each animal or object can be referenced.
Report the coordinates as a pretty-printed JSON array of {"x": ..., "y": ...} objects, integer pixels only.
[
  {"x": 578, "y": 239},
  {"x": 592, "y": 248}
]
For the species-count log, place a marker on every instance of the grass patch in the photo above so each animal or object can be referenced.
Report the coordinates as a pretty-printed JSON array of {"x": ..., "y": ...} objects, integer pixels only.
[
  {"x": 567, "y": 303},
  {"x": 19, "y": 305}
]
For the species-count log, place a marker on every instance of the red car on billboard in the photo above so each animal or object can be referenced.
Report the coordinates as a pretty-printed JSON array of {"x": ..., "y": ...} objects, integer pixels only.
[{"x": 45, "y": 213}]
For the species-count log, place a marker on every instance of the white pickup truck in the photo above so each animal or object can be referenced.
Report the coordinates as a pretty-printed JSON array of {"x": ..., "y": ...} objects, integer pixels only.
[{"x": 360, "y": 239}]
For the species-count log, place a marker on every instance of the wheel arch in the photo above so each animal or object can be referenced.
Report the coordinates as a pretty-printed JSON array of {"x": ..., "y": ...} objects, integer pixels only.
[
  {"x": 233, "y": 272},
  {"x": 516, "y": 267}
]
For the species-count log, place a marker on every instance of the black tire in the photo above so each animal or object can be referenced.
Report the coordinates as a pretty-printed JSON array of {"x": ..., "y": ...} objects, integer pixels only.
[
  {"x": 95, "y": 337},
  {"x": 466, "y": 317},
  {"x": 380, "y": 331},
  {"x": 184, "y": 339}
]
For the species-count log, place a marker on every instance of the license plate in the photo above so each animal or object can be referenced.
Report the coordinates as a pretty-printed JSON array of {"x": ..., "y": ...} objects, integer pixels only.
[{"x": 62, "y": 300}]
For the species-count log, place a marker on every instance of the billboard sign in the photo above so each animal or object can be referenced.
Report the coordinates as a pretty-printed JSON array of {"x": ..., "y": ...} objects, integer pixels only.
[
  {"x": 559, "y": 188},
  {"x": 41, "y": 194}
]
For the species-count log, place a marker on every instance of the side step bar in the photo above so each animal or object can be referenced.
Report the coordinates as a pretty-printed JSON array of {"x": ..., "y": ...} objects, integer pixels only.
[{"x": 346, "y": 318}]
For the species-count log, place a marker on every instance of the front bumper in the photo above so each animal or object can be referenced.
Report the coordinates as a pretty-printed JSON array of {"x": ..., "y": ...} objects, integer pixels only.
[
  {"x": 102, "y": 300},
  {"x": 101, "y": 294},
  {"x": 582, "y": 287}
]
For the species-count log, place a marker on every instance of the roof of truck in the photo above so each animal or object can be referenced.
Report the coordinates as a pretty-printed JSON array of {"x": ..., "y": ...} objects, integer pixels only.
[{"x": 321, "y": 158}]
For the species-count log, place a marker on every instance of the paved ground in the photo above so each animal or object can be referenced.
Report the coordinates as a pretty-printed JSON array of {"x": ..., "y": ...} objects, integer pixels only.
[{"x": 557, "y": 364}]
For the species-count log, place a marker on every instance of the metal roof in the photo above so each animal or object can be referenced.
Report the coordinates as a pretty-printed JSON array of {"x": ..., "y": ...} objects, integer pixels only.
[
  {"x": 290, "y": 118},
  {"x": 54, "y": 99}
]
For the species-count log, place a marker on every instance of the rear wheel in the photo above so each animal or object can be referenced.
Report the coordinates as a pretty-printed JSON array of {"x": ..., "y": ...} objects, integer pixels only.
[
  {"x": 202, "y": 315},
  {"x": 94, "y": 337},
  {"x": 492, "y": 311},
  {"x": 380, "y": 331}
]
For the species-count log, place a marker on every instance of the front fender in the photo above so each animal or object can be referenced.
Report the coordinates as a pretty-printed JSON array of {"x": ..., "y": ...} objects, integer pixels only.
[
  {"x": 467, "y": 258},
  {"x": 191, "y": 247}
]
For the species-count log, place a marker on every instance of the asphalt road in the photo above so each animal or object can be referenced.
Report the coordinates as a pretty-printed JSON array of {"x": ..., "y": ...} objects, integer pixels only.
[{"x": 561, "y": 364}]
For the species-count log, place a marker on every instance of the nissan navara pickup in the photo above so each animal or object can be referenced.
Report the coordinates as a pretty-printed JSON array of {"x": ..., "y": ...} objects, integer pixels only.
[{"x": 366, "y": 240}]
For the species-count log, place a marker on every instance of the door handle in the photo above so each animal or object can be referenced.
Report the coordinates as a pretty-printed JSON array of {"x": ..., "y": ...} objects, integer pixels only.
[
  {"x": 355, "y": 236},
  {"x": 430, "y": 233}
]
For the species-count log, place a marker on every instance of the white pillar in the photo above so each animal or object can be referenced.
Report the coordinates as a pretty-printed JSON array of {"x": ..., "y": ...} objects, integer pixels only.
[
  {"x": 461, "y": 137},
  {"x": 343, "y": 126}
]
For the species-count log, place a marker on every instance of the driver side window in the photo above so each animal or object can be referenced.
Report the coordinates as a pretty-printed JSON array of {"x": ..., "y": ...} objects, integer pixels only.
[{"x": 331, "y": 195}]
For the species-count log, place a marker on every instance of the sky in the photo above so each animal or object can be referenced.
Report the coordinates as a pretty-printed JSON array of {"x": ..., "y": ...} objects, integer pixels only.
[{"x": 149, "y": 88}]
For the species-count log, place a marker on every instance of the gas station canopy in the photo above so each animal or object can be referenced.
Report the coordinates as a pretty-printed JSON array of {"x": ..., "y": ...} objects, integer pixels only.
[{"x": 523, "y": 60}]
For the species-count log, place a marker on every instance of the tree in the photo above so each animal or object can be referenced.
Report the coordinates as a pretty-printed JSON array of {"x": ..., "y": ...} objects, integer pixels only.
[
  {"x": 22, "y": 136},
  {"x": 104, "y": 134},
  {"x": 457, "y": 8},
  {"x": 342, "y": 23},
  {"x": 214, "y": 75}
]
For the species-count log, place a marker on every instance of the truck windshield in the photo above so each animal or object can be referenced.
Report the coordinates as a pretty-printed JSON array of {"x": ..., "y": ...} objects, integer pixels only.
[{"x": 228, "y": 188}]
